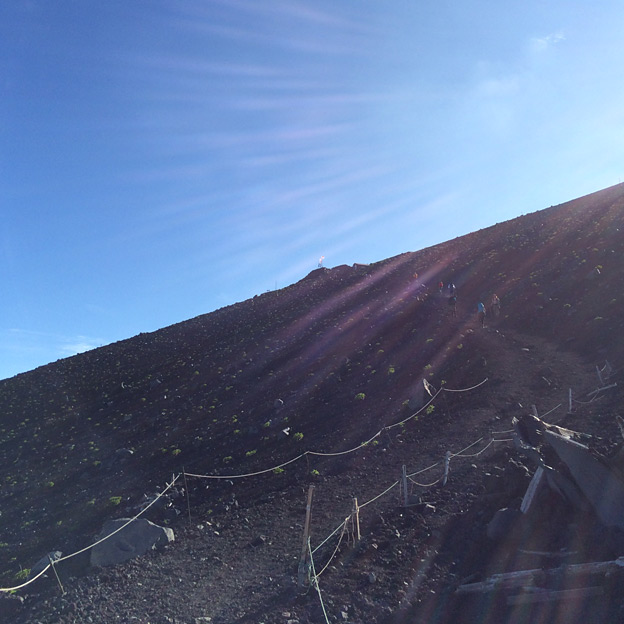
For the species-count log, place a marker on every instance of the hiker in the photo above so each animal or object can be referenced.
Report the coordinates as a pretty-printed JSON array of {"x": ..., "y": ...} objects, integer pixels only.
[
  {"x": 440, "y": 286},
  {"x": 451, "y": 288},
  {"x": 452, "y": 301},
  {"x": 495, "y": 305},
  {"x": 481, "y": 313}
]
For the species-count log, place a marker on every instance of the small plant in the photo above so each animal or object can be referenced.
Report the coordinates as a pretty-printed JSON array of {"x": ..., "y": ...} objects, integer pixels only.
[
  {"x": 391, "y": 370},
  {"x": 278, "y": 470},
  {"x": 267, "y": 424},
  {"x": 91, "y": 503},
  {"x": 430, "y": 409},
  {"x": 50, "y": 484},
  {"x": 115, "y": 500},
  {"x": 360, "y": 396},
  {"x": 227, "y": 460},
  {"x": 176, "y": 452},
  {"x": 251, "y": 453},
  {"x": 460, "y": 346},
  {"x": 428, "y": 367},
  {"x": 22, "y": 575},
  {"x": 429, "y": 340},
  {"x": 298, "y": 436},
  {"x": 314, "y": 472}
]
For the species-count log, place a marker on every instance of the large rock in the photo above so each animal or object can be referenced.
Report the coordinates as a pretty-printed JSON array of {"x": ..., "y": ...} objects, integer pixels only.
[{"x": 132, "y": 541}]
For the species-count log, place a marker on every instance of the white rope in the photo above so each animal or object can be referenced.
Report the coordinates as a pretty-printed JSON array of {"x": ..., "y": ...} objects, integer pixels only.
[
  {"x": 32, "y": 580},
  {"x": 459, "y": 453},
  {"x": 372, "y": 500},
  {"x": 344, "y": 526},
  {"x": 331, "y": 535},
  {"x": 315, "y": 581},
  {"x": 249, "y": 474},
  {"x": 425, "y": 485},
  {"x": 465, "y": 389}
]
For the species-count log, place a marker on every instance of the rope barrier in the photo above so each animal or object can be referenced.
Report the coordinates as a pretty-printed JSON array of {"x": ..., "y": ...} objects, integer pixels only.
[
  {"x": 338, "y": 453},
  {"x": 123, "y": 526},
  {"x": 469, "y": 446},
  {"x": 28, "y": 582},
  {"x": 465, "y": 389},
  {"x": 413, "y": 474},
  {"x": 487, "y": 446},
  {"x": 425, "y": 485},
  {"x": 344, "y": 526},
  {"x": 315, "y": 581},
  {"x": 32, "y": 580},
  {"x": 372, "y": 500},
  {"x": 331, "y": 534},
  {"x": 249, "y": 474}
]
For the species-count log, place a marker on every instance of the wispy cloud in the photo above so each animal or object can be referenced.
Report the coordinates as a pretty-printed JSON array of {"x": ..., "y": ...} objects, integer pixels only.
[
  {"x": 539, "y": 44},
  {"x": 40, "y": 342}
]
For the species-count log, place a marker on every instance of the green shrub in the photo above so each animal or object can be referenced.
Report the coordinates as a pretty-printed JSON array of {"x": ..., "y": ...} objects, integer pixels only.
[{"x": 360, "y": 396}]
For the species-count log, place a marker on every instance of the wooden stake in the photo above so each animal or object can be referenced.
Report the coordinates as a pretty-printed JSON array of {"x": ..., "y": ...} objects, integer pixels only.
[
  {"x": 447, "y": 461},
  {"x": 404, "y": 481},
  {"x": 304, "y": 564},
  {"x": 356, "y": 516},
  {"x": 188, "y": 496},
  {"x": 56, "y": 574},
  {"x": 534, "y": 411},
  {"x": 570, "y": 401}
]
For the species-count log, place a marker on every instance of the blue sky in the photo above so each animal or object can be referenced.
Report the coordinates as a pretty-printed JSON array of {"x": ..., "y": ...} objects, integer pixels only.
[{"x": 160, "y": 159}]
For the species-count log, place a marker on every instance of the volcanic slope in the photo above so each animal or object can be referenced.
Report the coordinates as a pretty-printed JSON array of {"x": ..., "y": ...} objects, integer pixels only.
[{"x": 332, "y": 360}]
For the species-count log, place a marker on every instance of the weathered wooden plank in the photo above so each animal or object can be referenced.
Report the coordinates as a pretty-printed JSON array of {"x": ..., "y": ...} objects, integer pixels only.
[
  {"x": 552, "y": 596},
  {"x": 524, "y": 578}
]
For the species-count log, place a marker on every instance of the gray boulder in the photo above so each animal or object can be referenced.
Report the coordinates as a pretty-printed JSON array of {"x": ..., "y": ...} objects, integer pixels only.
[{"x": 134, "y": 540}]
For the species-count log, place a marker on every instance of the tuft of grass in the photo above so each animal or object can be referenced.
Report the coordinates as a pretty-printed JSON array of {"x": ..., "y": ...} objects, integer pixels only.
[{"x": 360, "y": 396}]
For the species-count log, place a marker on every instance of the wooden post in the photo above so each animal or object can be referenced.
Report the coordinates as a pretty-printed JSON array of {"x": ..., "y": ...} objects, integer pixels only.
[
  {"x": 188, "y": 496},
  {"x": 570, "y": 401},
  {"x": 304, "y": 564},
  {"x": 404, "y": 481},
  {"x": 56, "y": 574},
  {"x": 447, "y": 461},
  {"x": 356, "y": 518},
  {"x": 534, "y": 411}
]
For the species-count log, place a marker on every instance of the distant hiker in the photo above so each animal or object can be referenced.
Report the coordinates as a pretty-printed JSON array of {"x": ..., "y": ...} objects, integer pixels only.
[
  {"x": 440, "y": 286},
  {"x": 481, "y": 313},
  {"x": 451, "y": 288},
  {"x": 452, "y": 301},
  {"x": 495, "y": 306}
]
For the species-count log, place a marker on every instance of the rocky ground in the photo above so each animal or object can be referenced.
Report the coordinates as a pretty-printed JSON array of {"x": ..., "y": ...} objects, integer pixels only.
[{"x": 345, "y": 351}]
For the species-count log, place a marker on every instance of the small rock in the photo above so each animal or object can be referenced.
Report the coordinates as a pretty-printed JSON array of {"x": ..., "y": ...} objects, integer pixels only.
[{"x": 372, "y": 578}]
